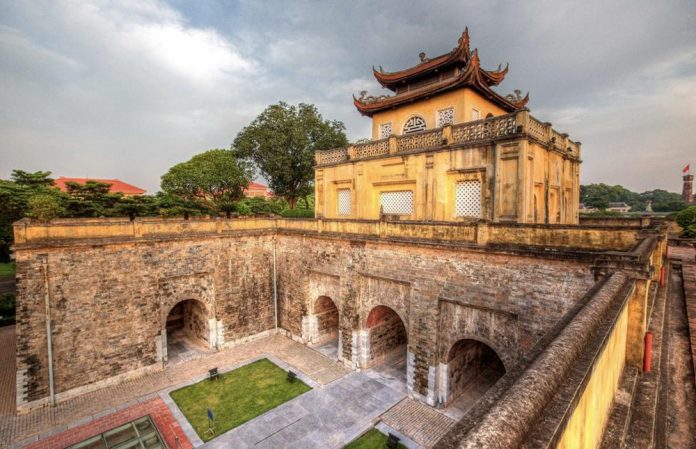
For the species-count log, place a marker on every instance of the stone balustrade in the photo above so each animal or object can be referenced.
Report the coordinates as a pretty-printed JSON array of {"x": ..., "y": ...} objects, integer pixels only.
[{"x": 515, "y": 124}]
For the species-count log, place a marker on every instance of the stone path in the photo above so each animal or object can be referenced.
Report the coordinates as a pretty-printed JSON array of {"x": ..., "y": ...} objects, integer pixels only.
[
  {"x": 47, "y": 421},
  {"x": 324, "y": 418},
  {"x": 418, "y": 421}
]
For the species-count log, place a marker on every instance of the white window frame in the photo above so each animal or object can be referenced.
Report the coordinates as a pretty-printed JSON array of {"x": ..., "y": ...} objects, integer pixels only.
[
  {"x": 461, "y": 208},
  {"x": 382, "y": 127},
  {"x": 439, "y": 122},
  {"x": 339, "y": 210},
  {"x": 407, "y": 193},
  {"x": 413, "y": 117}
]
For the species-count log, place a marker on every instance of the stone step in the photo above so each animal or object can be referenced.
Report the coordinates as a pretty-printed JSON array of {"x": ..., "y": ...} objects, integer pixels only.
[{"x": 418, "y": 421}]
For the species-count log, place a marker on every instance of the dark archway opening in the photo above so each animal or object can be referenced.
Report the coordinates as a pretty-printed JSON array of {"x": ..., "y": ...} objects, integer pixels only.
[
  {"x": 472, "y": 368},
  {"x": 187, "y": 331},
  {"x": 327, "y": 333},
  {"x": 387, "y": 344}
]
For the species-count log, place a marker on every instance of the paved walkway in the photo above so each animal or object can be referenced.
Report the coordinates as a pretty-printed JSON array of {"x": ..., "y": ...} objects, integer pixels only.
[
  {"x": 47, "y": 421},
  {"x": 418, "y": 421},
  {"x": 324, "y": 418}
]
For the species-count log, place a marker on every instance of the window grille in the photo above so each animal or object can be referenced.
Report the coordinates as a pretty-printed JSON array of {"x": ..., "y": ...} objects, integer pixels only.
[
  {"x": 344, "y": 202},
  {"x": 475, "y": 115},
  {"x": 468, "y": 199},
  {"x": 385, "y": 130},
  {"x": 414, "y": 124},
  {"x": 445, "y": 117},
  {"x": 397, "y": 203}
]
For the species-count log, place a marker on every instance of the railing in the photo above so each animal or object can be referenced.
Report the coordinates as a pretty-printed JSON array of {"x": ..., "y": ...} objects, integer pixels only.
[
  {"x": 485, "y": 129},
  {"x": 372, "y": 148},
  {"x": 423, "y": 139},
  {"x": 333, "y": 156}
]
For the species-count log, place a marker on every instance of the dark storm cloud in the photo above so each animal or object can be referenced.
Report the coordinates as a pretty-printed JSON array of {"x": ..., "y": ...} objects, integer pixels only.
[{"x": 127, "y": 90}]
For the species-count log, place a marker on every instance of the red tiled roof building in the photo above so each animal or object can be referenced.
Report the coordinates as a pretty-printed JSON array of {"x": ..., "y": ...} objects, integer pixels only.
[{"x": 117, "y": 186}]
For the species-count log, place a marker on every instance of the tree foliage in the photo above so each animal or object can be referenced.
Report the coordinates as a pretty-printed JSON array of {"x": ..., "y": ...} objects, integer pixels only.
[
  {"x": 600, "y": 195},
  {"x": 686, "y": 219},
  {"x": 281, "y": 142},
  {"x": 212, "y": 178}
]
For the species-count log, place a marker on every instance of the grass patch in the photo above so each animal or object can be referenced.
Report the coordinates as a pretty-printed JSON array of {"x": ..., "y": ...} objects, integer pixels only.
[
  {"x": 236, "y": 397},
  {"x": 372, "y": 439},
  {"x": 7, "y": 309},
  {"x": 7, "y": 268}
]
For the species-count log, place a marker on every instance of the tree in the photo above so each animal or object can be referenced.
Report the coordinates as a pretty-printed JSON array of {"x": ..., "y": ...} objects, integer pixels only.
[
  {"x": 212, "y": 178},
  {"x": 281, "y": 142},
  {"x": 91, "y": 199},
  {"x": 45, "y": 207},
  {"x": 686, "y": 219}
]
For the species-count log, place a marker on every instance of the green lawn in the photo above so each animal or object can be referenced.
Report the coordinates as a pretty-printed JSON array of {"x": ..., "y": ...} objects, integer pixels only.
[
  {"x": 372, "y": 439},
  {"x": 237, "y": 396},
  {"x": 7, "y": 268}
]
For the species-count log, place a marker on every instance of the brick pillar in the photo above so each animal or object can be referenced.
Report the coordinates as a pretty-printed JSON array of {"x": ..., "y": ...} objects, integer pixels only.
[{"x": 687, "y": 190}]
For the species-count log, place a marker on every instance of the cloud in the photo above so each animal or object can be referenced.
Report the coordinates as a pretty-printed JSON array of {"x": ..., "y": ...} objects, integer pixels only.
[{"x": 128, "y": 89}]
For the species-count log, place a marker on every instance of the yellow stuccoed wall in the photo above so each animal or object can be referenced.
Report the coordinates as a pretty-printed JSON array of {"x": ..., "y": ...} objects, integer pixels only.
[
  {"x": 463, "y": 100},
  {"x": 513, "y": 178},
  {"x": 586, "y": 424}
]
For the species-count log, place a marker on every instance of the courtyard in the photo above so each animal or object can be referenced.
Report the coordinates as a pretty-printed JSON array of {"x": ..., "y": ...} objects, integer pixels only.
[{"x": 327, "y": 406}]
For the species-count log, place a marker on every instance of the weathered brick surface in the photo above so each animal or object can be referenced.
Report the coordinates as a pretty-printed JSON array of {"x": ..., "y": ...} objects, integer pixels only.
[
  {"x": 109, "y": 303},
  {"x": 442, "y": 294}
]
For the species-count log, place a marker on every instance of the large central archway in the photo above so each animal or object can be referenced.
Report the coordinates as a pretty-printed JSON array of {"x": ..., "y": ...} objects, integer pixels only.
[
  {"x": 471, "y": 368},
  {"x": 387, "y": 342},
  {"x": 187, "y": 331}
]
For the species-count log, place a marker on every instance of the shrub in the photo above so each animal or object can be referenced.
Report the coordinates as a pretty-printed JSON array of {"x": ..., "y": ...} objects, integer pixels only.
[
  {"x": 298, "y": 213},
  {"x": 7, "y": 308}
]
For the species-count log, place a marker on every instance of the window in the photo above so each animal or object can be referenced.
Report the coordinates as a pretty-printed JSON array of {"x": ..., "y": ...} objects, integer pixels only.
[
  {"x": 344, "y": 202},
  {"x": 475, "y": 115},
  {"x": 414, "y": 124},
  {"x": 397, "y": 203},
  {"x": 385, "y": 130},
  {"x": 136, "y": 434},
  {"x": 468, "y": 199},
  {"x": 445, "y": 117}
]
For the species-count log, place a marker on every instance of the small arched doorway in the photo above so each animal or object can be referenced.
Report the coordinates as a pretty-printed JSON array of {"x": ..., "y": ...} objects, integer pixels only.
[
  {"x": 472, "y": 367},
  {"x": 326, "y": 334},
  {"x": 387, "y": 343},
  {"x": 187, "y": 329}
]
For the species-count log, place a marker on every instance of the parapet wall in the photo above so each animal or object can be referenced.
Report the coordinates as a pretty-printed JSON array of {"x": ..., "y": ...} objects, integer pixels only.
[{"x": 30, "y": 233}]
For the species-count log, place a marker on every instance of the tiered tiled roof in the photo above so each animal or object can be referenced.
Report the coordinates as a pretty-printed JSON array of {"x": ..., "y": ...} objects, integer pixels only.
[{"x": 459, "y": 68}]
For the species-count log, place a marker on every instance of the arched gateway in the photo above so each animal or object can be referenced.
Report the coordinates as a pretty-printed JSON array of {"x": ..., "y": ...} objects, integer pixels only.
[
  {"x": 187, "y": 331},
  {"x": 468, "y": 370}
]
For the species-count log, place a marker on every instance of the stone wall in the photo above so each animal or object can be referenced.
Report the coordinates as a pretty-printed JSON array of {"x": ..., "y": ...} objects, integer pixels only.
[
  {"x": 442, "y": 294},
  {"x": 109, "y": 303}
]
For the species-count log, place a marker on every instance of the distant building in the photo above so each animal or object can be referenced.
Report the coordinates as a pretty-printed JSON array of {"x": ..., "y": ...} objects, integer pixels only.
[
  {"x": 584, "y": 208},
  {"x": 687, "y": 190},
  {"x": 256, "y": 189},
  {"x": 116, "y": 185},
  {"x": 619, "y": 207}
]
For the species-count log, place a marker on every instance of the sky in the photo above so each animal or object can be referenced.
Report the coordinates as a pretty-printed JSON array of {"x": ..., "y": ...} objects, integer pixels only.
[{"x": 126, "y": 89}]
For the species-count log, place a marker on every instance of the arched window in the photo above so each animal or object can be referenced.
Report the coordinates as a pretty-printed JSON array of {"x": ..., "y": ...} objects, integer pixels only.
[{"x": 414, "y": 124}]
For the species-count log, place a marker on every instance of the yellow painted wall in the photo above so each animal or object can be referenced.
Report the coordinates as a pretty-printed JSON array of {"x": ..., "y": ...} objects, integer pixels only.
[
  {"x": 586, "y": 425},
  {"x": 463, "y": 100},
  {"x": 510, "y": 173}
]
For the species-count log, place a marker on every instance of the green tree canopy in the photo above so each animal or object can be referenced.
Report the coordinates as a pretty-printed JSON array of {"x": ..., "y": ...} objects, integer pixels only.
[
  {"x": 687, "y": 220},
  {"x": 600, "y": 195},
  {"x": 281, "y": 142},
  {"x": 212, "y": 178}
]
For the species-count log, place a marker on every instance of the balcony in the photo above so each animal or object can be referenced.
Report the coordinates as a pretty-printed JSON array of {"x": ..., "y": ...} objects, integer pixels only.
[{"x": 517, "y": 124}]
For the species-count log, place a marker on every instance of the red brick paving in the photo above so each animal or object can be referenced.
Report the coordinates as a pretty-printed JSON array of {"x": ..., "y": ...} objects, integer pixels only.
[{"x": 164, "y": 421}]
